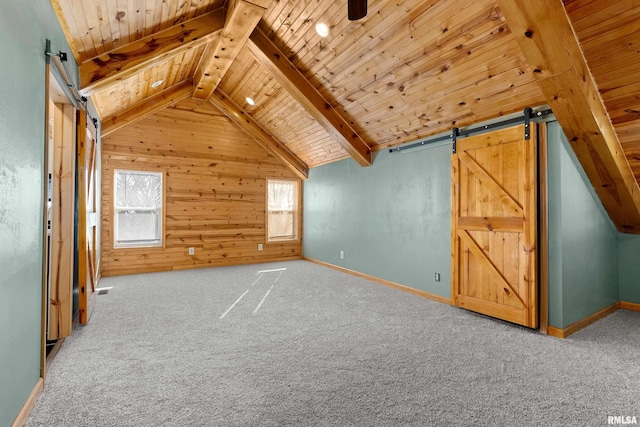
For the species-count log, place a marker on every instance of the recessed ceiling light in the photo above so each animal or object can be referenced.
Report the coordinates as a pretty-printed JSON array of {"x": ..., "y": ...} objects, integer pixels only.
[
  {"x": 250, "y": 101},
  {"x": 322, "y": 29},
  {"x": 157, "y": 83}
]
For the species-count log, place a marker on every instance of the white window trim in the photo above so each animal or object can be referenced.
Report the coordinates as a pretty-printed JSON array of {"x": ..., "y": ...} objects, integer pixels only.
[
  {"x": 160, "y": 210},
  {"x": 296, "y": 212}
]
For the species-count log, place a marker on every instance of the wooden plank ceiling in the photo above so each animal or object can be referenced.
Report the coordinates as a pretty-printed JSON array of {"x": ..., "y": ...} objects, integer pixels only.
[
  {"x": 410, "y": 69},
  {"x": 609, "y": 33}
]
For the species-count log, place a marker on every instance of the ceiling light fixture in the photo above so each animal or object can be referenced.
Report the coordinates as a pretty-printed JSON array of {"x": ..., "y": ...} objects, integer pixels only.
[
  {"x": 250, "y": 101},
  {"x": 157, "y": 83},
  {"x": 322, "y": 29}
]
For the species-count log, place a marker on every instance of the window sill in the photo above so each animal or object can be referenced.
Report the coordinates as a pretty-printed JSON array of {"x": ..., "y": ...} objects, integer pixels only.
[
  {"x": 278, "y": 242},
  {"x": 139, "y": 248}
]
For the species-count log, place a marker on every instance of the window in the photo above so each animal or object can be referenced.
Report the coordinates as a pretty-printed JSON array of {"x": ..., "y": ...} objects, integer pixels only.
[
  {"x": 282, "y": 210},
  {"x": 137, "y": 209}
]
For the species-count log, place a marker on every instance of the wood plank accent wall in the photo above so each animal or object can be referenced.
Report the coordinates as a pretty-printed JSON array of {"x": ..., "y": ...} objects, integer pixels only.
[{"x": 215, "y": 179}]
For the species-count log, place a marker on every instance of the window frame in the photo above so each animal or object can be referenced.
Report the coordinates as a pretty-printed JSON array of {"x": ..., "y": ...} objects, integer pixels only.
[
  {"x": 162, "y": 209},
  {"x": 297, "y": 211}
]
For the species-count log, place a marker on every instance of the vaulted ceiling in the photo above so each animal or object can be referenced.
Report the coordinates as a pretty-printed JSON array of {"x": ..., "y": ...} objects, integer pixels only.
[{"x": 408, "y": 70}]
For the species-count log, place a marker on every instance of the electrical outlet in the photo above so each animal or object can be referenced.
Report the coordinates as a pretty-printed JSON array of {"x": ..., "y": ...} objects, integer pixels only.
[
  {"x": 437, "y": 277},
  {"x": 259, "y": 246},
  {"x": 192, "y": 251},
  {"x": 341, "y": 254}
]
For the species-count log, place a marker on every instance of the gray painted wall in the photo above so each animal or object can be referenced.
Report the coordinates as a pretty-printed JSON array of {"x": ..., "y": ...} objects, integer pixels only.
[
  {"x": 391, "y": 219},
  {"x": 583, "y": 261},
  {"x": 24, "y": 27},
  {"x": 629, "y": 257}
]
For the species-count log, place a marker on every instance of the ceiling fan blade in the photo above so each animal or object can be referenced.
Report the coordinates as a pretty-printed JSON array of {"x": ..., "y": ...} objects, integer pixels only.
[{"x": 357, "y": 9}]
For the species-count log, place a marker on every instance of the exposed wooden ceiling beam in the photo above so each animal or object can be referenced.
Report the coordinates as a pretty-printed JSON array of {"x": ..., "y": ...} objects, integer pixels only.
[
  {"x": 149, "y": 106},
  {"x": 547, "y": 40},
  {"x": 242, "y": 18},
  {"x": 130, "y": 59},
  {"x": 308, "y": 96},
  {"x": 241, "y": 118}
]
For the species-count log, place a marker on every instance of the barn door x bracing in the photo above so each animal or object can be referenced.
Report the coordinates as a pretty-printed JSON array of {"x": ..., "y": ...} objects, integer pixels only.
[
  {"x": 494, "y": 225},
  {"x": 87, "y": 232}
]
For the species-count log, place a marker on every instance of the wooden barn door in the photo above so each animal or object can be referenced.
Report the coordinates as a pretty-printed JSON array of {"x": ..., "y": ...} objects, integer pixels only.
[
  {"x": 87, "y": 217},
  {"x": 494, "y": 225},
  {"x": 63, "y": 147}
]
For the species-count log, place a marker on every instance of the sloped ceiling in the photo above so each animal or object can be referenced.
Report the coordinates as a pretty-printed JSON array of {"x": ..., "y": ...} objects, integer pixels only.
[
  {"x": 410, "y": 69},
  {"x": 609, "y": 33}
]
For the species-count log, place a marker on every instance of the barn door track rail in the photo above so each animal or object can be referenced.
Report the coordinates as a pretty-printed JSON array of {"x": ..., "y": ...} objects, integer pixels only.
[
  {"x": 527, "y": 117},
  {"x": 59, "y": 59}
]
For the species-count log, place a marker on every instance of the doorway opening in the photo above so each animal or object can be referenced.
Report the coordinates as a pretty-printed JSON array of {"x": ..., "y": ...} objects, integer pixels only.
[{"x": 61, "y": 302}]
